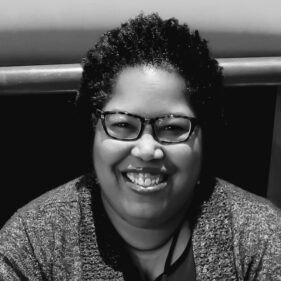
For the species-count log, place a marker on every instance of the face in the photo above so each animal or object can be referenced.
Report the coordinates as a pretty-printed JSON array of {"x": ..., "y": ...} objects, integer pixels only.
[{"x": 143, "y": 181}]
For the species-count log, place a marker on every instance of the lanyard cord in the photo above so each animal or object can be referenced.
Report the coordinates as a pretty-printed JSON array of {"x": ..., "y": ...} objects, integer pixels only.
[{"x": 171, "y": 252}]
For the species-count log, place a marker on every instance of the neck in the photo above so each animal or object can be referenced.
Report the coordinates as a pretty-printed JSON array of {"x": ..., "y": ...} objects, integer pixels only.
[
  {"x": 149, "y": 246},
  {"x": 151, "y": 263},
  {"x": 141, "y": 236}
]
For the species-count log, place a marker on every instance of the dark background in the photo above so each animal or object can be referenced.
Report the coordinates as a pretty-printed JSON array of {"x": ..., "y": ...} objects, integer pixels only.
[{"x": 40, "y": 147}]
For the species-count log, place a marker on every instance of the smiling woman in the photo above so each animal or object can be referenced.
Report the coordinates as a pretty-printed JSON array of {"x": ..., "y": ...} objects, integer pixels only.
[
  {"x": 137, "y": 90},
  {"x": 151, "y": 208}
]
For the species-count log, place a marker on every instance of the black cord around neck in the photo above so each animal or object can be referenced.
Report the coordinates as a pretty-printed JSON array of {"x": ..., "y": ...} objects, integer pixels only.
[{"x": 171, "y": 251}]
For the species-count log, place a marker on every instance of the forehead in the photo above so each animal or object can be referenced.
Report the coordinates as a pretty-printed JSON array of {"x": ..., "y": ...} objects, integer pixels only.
[{"x": 150, "y": 91}]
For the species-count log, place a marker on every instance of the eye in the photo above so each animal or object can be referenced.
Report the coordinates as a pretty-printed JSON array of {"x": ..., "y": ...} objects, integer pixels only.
[
  {"x": 124, "y": 125},
  {"x": 173, "y": 128},
  {"x": 122, "y": 130}
]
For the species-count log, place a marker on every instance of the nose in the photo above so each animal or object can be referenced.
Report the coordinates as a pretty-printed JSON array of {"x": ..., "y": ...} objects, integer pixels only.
[{"x": 147, "y": 148}]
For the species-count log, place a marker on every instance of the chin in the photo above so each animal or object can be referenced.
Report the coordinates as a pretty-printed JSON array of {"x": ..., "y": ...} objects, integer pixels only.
[{"x": 145, "y": 215}]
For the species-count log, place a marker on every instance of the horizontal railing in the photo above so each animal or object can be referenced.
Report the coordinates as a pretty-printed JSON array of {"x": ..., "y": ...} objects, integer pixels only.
[
  {"x": 251, "y": 71},
  {"x": 39, "y": 78},
  {"x": 66, "y": 77}
]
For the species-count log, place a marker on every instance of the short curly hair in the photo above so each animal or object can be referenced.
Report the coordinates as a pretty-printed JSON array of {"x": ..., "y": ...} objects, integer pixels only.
[{"x": 150, "y": 40}]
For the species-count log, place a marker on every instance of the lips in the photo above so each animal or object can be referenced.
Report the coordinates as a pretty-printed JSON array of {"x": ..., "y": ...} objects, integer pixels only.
[{"x": 145, "y": 179}]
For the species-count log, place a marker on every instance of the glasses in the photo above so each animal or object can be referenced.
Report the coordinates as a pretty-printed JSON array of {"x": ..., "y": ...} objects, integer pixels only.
[{"x": 125, "y": 126}]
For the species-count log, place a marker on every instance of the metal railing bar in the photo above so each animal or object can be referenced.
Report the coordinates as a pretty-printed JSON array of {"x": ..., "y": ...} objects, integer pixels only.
[
  {"x": 61, "y": 78},
  {"x": 251, "y": 71},
  {"x": 39, "y": 79}
]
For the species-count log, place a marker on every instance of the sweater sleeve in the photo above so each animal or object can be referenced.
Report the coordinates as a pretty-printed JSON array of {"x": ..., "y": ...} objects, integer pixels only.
[
  {"x": 256, "y": 230},
  {"x": 257, "y": 240},
  {"x": 269, "y": 268},
  {"x": 17, "y": 259}
]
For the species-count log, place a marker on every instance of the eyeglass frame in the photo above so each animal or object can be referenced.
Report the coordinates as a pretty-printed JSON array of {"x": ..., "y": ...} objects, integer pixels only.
[{"x": 144, "y": 121}]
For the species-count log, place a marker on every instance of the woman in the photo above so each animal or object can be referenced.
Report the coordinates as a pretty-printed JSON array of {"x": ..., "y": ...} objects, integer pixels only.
[{"x": 151, "y": 209}]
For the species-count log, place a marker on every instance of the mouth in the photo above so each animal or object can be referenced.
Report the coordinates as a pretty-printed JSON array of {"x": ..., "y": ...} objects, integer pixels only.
[
  {"x": 145, "y": 179},
  {"x": 145, "y": 182}
]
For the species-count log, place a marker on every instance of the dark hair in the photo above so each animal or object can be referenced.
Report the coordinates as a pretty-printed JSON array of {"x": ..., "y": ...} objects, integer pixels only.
[{"x": 162, "y": 43}]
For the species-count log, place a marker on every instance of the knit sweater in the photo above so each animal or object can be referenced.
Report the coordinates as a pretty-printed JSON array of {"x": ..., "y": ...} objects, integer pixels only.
[{"x": 66, "y": 235}]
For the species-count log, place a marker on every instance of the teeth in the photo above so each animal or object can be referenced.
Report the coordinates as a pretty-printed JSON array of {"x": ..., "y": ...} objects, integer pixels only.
[
  {"x": 145, "y": 179},
  {"x": 147, "y": 182}
]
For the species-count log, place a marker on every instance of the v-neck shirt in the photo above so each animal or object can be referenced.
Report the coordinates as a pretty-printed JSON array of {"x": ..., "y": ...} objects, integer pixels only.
[{"x": 183, "y": 268}]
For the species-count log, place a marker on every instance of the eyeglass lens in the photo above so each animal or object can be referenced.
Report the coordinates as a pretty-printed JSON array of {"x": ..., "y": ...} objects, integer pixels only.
[
  {"x": 172, "y": 129},
  {"x": 122, "y": 126}
]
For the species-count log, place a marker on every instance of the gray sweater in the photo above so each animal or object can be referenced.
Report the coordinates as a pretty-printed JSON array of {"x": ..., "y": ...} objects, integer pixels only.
[{"x": 66, "y": 235}]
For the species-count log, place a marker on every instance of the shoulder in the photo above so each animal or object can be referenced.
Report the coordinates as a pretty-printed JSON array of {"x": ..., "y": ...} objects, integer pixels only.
[
  {"x": 256, "y": 230},
  {"x": 57, "y": 206},
  {"x": 249, "y": 209},
  {"x": 249, "y": 231},
  {"x": 44, "y": 234},
  {"x": 62, "y": 196}
]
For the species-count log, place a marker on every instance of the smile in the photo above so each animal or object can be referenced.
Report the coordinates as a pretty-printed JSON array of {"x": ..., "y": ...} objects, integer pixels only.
[
  {"x": 145, "y": 179},
  {"x": 145, "y": 183}
]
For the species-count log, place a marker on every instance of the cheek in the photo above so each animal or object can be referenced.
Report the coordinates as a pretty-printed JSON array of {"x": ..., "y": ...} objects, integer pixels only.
[
  {"x": 187, "y": 158},
  {"x": 107, "y": 153}
]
